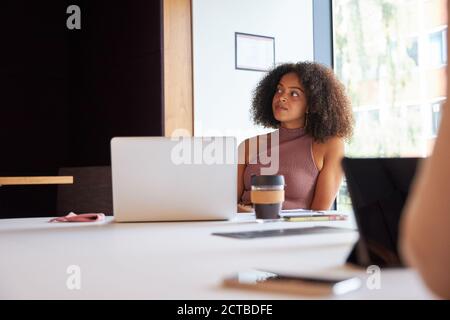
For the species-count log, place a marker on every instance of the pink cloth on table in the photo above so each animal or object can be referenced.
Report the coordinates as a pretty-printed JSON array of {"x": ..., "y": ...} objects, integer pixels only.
[{"x": 84, "y": 217}]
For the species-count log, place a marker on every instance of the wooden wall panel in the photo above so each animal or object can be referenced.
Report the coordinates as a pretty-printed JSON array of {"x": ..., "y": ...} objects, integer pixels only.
[{"x": 178, "y": 84}]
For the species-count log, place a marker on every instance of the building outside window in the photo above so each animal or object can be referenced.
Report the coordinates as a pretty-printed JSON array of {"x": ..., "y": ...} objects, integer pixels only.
[{"x": 391, "y": 56}]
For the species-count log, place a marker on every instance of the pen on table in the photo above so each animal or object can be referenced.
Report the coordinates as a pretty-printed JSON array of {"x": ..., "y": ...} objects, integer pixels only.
[{"x": 317, "y": 218}]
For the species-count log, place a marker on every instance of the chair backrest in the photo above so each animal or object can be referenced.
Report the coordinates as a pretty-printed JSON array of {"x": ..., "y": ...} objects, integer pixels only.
[{"x": 91, "y": 191}]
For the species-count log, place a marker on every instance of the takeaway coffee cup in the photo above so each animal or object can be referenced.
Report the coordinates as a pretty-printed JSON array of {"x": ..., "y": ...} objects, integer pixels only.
[{"x": 267, "y": 196}]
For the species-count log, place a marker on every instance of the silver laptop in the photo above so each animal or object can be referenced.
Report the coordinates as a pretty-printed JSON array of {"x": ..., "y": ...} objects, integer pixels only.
[{"x": 167, "y": 179}]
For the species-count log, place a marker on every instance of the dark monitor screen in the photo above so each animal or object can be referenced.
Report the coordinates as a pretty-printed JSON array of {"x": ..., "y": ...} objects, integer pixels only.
[{"x": 378, "y": 189}]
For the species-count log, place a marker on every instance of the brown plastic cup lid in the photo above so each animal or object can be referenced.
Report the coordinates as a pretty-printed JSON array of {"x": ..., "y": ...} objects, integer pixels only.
[{"x": 267, "y": 180}]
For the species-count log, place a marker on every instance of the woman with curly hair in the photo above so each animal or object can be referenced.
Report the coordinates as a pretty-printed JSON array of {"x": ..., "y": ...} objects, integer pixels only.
[{"x": 308, "y": 106}]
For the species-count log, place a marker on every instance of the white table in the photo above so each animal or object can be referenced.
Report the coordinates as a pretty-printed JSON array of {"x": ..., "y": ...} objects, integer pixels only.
[{"x": 170, "y": 260}]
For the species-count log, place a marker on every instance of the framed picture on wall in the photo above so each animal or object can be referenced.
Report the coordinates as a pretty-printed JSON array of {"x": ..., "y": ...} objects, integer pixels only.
[{"x": 254, "y": 52}]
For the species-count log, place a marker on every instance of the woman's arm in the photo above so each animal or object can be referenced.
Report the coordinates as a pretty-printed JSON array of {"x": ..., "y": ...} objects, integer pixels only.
[
  {"x": 242, "y": 163},
  {"x": 240, "y": 185},
  {"x": 330, "y": 176}
]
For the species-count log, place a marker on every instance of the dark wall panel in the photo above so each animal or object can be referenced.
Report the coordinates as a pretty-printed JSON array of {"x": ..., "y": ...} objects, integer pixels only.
[
  {"x": 33, "y": 84},
  {"x": 66, "y": 93},
  {"x": 116, "y": 86}
]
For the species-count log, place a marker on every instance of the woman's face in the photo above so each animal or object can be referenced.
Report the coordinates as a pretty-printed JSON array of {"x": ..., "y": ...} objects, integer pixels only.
[{"x": 289, "y": 103}]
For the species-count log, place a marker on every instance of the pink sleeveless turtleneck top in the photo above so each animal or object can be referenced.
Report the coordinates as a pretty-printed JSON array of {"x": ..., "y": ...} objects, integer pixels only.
[{"x": 296, "y": 164}]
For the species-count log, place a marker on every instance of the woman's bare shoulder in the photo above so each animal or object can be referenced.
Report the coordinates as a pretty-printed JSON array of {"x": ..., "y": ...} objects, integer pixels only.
[
  {"x": 332, "y": 149},
  {"x": 335, "y": 143}
]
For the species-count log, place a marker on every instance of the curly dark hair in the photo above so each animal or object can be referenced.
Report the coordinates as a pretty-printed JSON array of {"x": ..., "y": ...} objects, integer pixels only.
[{"x": 329, "y": 109}]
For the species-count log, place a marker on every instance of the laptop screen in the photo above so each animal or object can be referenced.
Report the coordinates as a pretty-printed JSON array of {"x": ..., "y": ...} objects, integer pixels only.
[{"x": 378, "y": 189}]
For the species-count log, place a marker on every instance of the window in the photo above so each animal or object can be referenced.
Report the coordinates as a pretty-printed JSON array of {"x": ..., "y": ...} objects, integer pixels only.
[
  {"x": 436, "y": 113},
  {"x": 390, "y": 54},
  {"x": 412, "y": 50},
  {"x": 438, "y": 48}
]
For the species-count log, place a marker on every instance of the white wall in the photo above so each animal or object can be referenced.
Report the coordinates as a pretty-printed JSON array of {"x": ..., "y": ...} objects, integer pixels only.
[{"x": 222, "y": 94}]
